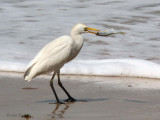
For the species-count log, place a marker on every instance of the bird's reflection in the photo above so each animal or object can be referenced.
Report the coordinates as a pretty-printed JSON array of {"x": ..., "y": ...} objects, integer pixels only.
[{"x": 59, "y": 110}]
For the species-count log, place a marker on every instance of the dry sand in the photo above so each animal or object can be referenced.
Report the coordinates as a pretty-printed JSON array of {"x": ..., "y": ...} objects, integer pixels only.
[{"x": 107, "y": 98}]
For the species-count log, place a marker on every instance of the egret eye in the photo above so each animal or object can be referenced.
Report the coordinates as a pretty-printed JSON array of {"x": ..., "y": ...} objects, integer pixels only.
[{"x": 86, "y": 29}]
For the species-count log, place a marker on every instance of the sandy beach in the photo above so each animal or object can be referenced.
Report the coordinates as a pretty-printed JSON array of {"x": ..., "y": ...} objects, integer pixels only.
[{"x": 100, "y": 98}]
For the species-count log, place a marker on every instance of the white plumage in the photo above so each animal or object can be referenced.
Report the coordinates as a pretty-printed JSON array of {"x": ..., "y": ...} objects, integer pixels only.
[
  {"x": 51, "y": 58},
  {"x": 55, "y": 54}
]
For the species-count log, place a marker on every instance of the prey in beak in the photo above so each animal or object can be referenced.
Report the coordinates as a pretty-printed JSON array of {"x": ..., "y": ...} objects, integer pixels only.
[{"x": 91, "y": 30}]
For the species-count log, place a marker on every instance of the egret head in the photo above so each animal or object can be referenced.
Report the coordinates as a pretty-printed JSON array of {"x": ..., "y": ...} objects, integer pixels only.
[{"x": 81, "y": 28}]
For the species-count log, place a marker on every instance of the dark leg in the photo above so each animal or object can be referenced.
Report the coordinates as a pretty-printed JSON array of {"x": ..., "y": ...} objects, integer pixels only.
[
  {"x": 70, "y": 99},
  {"x": 51, "y": 84}
]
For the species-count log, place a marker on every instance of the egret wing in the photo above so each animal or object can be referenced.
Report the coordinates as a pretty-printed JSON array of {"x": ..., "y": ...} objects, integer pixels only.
[
  {"x": 52, "y": 57},
  {"x": 53, "y": 44}
]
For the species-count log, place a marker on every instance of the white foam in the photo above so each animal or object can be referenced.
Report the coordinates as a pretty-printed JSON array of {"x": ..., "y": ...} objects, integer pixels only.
[
  {"x": 114, "y": 67},
  {"x": 12, "y": 66},
  {"x": 107, "y": 67}
]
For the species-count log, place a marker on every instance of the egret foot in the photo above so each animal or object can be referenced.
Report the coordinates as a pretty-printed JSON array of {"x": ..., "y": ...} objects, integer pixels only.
[
  {"x": 70, "y": 100},
  {"x": 60, "y": 103},
  {"x": 57, "y": 103}
]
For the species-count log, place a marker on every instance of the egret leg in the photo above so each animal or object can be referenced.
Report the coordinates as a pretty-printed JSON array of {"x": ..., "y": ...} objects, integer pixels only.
[
  {"x": 70, "y": 98},
  {"x": 51, "y": 84}
]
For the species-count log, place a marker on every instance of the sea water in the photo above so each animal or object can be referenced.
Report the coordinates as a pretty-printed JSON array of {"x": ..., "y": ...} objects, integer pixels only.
[{"x": 26, "y": 26}]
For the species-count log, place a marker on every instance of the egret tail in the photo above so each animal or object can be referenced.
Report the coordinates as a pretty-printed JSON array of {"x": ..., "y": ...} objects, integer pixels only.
[{"x": 26, "y": 75}]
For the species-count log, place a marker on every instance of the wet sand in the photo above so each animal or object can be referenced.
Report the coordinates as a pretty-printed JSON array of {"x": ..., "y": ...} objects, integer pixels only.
[{"x": 107, "y": 98}]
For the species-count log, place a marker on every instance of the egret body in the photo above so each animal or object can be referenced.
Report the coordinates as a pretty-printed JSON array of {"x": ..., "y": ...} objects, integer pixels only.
[{"x": 55, "y": 54}]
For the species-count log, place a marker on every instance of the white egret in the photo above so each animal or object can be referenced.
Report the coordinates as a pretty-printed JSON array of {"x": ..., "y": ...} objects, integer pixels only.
[{"x": 55, "y": 54}]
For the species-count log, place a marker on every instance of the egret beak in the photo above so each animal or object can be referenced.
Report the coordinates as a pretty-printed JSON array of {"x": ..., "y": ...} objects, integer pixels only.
[{"x": 92, "y": 30}]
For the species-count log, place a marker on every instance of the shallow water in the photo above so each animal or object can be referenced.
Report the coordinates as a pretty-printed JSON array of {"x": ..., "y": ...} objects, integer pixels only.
[{"x": 26, "y": 26}]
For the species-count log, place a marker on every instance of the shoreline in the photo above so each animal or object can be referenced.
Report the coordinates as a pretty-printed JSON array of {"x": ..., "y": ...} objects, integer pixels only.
[{"x": 17, "y": 73}]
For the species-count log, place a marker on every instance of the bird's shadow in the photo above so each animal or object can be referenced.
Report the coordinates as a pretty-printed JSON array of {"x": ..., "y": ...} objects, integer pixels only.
[
  {"x": 94, "y": 100},
  {"x": 77, "y": 100}
]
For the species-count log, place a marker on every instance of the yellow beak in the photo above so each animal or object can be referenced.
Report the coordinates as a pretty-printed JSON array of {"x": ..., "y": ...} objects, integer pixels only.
[{"x": 92, "y": 30}]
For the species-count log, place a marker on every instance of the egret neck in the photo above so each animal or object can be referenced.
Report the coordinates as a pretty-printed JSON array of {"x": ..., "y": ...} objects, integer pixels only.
[{"x": 78, "y": 43}]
